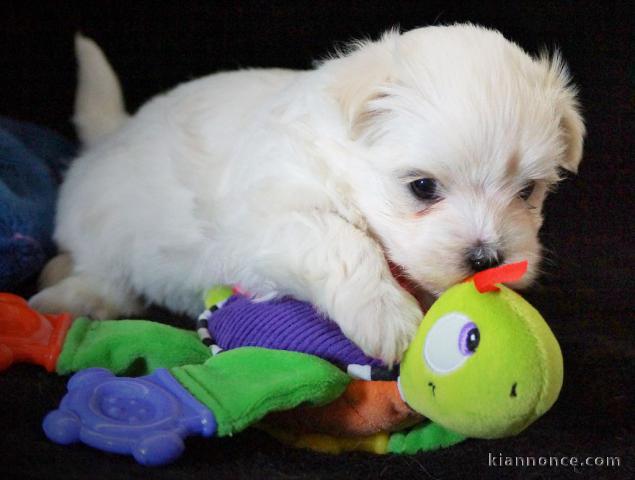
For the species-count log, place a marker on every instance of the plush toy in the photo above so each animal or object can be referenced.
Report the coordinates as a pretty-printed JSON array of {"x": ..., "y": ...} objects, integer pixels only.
[
  {"x": 483, "y": 364},
  {"x": 32, "y": 161}
]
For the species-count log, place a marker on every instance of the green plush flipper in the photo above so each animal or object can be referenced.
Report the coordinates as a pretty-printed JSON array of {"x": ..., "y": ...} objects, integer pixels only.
[
  {"x": 128, "y": 347},
  {"x": 422, "y": 438},
  {"x": 241, "y": 386}
]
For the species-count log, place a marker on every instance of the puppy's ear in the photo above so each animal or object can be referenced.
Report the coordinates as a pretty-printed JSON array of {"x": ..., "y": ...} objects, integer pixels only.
[
  {"x": 573, "y": 131},
  {"x": 571, "y": 123},
  {"x": 359, "y": 76}
]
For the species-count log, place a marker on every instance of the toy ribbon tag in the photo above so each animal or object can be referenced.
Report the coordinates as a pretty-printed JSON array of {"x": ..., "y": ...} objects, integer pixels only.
[{"x": 486, "y": 280}]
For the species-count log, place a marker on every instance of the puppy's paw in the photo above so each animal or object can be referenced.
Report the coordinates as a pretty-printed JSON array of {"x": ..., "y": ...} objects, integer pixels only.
[
  {"x": 57, "y": 269},
  {"x": 384, "y": 323},
  {"x": 78, "y": 296}
]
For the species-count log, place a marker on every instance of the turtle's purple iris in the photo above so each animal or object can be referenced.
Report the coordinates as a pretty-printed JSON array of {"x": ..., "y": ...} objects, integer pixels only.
[{"x": 469, "y": 338}]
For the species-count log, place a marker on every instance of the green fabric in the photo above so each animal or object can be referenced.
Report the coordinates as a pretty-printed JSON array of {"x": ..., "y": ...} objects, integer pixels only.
[
  {"x": 241, "y": 386},
  {"x": 421, "y": 438},
  {"x": 216, "y": 295},
  {"x": 128, "y": 347}
]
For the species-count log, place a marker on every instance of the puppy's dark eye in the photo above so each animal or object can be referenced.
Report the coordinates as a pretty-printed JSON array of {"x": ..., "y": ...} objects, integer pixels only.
[
  {"x": 526, "y": 192},
  {"x": 425, "y": 188}
]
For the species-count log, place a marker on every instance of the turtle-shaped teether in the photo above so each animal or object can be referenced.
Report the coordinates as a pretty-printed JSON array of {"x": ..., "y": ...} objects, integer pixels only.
[{"x": 146, "y": 417}]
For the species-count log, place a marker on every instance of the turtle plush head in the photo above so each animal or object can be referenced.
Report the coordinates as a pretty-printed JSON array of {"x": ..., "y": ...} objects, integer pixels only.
[{"x": 484, "y": 363}]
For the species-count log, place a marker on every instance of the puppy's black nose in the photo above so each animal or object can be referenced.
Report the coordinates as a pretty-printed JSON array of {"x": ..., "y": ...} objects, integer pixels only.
[{"x": 481, "y": 258}]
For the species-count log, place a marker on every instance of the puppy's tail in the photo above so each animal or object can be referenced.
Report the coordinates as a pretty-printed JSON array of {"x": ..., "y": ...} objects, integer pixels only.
[{"x": 99, "y": 105}]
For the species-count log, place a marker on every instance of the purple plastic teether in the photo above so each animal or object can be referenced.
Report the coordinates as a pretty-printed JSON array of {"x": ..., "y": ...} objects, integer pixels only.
[{"x": 147, "y": 417}]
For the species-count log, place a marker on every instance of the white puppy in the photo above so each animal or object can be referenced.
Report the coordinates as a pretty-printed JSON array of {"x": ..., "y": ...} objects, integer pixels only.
[{"x": 433, "y": 148}]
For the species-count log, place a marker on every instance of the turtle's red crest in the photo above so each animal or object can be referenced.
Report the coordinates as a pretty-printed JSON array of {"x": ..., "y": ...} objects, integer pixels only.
[{"x": 486, "y": 280}]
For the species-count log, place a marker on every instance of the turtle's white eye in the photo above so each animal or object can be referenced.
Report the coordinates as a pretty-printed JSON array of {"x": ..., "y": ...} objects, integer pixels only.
[{"x": 449, "y": 343}]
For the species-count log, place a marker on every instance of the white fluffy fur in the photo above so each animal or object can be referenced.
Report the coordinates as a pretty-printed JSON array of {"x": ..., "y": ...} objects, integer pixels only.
[{"x": 296, "y": 182}]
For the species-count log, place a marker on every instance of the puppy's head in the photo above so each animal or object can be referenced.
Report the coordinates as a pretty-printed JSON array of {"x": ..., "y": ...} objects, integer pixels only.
[{"x": 462, "y": 134}]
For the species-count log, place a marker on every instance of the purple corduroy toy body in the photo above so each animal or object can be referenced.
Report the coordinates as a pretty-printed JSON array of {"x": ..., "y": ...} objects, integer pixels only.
[{"x": 284, "y": 324}]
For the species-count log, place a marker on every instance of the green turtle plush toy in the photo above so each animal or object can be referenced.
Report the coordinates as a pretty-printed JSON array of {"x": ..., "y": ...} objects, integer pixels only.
[{"x": 483, "y": 364}]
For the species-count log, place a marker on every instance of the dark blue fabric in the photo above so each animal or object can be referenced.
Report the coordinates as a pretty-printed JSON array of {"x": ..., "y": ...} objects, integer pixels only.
[{"x": 32, "y": 161}]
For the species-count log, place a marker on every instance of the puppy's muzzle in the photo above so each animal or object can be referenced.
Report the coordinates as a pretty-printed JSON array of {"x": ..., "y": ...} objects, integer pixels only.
[{"x": 481, "y": 257}]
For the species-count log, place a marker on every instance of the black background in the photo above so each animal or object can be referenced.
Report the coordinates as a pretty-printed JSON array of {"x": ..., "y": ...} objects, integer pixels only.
[{"x": 586, "y": 291}]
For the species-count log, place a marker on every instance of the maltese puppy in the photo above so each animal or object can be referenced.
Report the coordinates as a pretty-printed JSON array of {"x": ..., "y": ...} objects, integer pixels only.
[{"x": 427, "y": 153}]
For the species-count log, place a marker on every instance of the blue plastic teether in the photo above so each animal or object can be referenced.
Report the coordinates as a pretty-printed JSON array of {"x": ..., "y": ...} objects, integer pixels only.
[{"x": 147, "y": 417}]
